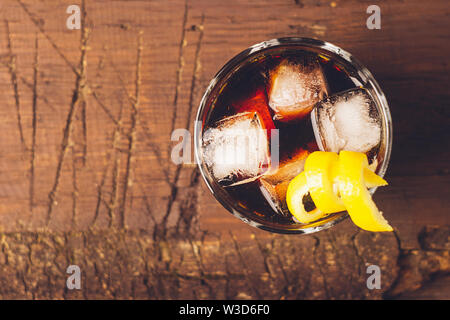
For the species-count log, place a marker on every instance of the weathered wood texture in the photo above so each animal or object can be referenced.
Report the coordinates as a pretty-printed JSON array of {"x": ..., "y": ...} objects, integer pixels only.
[{"x": 85, "y": 173}]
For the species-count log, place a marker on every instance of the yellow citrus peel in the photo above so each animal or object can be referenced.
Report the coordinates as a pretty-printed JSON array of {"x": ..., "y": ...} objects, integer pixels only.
[
  {"x": 337, "y": 183},
  {"x": 297, "y": 189}
]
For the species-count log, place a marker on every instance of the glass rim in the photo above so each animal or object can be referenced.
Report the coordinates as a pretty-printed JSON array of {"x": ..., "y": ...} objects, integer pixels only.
[{"x": 364, "y": 73}]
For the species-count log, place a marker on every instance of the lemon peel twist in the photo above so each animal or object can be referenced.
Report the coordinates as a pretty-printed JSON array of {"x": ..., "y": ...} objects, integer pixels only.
[
  {"x": 337, "y": 183},
  {"x": 357, "y": 199}
]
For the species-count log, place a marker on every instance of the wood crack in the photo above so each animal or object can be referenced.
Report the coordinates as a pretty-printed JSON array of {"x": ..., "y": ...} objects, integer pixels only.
[
  {"x": 173, "y": 184},
  {"x": 12, "y": 68},
  {"x": 38, "y": 25},
  {"x": 132, "y": 135},
  {"x": 179, "y": 73},
  {"x": 77, "y": 98},
  {"x": 34, "y": 123}
]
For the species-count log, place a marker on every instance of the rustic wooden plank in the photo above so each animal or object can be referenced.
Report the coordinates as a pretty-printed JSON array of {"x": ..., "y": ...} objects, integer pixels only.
[{"x": 80, "y": 152}]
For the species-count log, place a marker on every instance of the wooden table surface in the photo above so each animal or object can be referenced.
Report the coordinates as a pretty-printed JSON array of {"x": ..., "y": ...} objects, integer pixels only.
[{"x": 86, "y": 118}]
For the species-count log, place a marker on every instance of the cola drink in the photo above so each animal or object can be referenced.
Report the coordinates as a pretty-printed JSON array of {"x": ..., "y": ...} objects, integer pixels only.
[{"x": 272, "y": 109}]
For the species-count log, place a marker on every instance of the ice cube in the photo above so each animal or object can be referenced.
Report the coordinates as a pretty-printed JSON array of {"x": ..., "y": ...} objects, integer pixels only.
[
  {"x": 347, "y": 121},
  {"x": 275, "y": 194},
  {"x": 294, "y": 88},
  {"x": 274, "y": 183},
  {"x": 236, "y": 149}
]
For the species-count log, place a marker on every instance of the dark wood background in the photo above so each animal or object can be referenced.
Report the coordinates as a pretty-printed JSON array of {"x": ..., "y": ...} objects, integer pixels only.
[{"x": 86, "y": 178}]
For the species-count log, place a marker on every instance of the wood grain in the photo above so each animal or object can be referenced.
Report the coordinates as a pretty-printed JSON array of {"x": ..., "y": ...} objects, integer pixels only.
[{"x": 87, "y": 115}]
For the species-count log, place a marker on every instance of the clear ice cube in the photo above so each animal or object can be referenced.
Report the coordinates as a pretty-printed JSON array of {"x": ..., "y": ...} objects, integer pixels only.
[
  {"x": 347, "y": 121},
  {"x": 236, "y": 149},
  {"x": 274, "y": 183},
  {"x": 294, "y": 88}
]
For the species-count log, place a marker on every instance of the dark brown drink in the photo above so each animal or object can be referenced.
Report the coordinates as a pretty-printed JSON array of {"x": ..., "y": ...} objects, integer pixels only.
[{"x": 265, "y": 119}]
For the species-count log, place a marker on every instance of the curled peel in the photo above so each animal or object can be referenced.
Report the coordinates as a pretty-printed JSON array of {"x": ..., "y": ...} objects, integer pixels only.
[
  {"x": 296, "y": 191},
  {"x": 354, "y": 194},
  {"x": 337, "y": 183},
  {"x": 320, "y": 172},
  {"x": 372, "y": 180}
]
